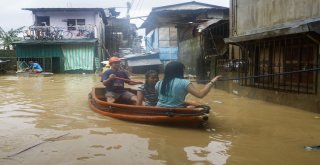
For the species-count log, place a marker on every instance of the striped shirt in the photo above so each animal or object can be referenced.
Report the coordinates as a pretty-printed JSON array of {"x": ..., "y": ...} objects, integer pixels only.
[{"x": 150, "y": 95}]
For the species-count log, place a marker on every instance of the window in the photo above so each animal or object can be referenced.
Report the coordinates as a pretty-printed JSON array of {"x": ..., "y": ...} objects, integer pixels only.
[
  {"x": 168, "y": 37},
  {"x": 42, "y": 20},
  {"x": 72, "y": 23},
  {"x": 284, "y": 63}
]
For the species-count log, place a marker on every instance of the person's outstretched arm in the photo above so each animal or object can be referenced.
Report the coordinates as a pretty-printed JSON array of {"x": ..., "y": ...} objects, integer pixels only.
[{"x": 204, "y": 91}]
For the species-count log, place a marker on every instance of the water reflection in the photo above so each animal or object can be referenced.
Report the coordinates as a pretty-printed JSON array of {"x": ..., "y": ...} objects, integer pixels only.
[
  {"x": 88, "y": 147},
  {"x": 240, "y": 130},
  {"x": 215, "y": 153}
]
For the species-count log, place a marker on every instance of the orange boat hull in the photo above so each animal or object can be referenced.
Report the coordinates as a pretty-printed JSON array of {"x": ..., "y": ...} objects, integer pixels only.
[{"x": 147, "y": 114}]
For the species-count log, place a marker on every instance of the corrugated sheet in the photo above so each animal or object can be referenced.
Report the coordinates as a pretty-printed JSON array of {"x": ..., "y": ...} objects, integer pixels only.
[
  {"x": 55, "y": 42},
  {"x": 168, "y": 53},
  {"x": 38, "y": 51},
  {"x": 78, "y": 57},
  {"x": 208, "y": 23},
  {"x": 143, "y": 62},
  {"x": 278, "y": 30}
]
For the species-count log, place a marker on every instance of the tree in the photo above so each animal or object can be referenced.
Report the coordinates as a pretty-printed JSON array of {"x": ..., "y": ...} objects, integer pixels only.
[{"x": 9, "y": 37}]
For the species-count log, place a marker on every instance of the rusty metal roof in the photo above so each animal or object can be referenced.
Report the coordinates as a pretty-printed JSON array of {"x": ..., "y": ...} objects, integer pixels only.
[
  {"x": 301, "y": 26},
  {"x": 178, "y": 14}
]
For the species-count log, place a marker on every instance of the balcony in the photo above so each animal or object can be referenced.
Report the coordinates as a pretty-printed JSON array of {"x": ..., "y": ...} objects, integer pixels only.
[{"x": 60, "y": 33}]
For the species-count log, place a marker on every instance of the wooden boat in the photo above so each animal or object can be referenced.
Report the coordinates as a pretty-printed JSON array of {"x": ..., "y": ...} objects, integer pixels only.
[
  {"x": 147, "y": 114},
  {"x": 32, "y": 74}
]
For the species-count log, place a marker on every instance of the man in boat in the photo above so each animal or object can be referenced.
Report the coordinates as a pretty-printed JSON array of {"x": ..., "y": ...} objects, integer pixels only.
[
  {"x": 114, "y": 80},
  {"x": 34, "y": 67}
]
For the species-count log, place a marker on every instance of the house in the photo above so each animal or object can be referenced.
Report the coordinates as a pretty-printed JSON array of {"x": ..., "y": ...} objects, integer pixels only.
[
  {"x": 274, "y": 51},
  {"x": 64, "y": 39},
  {"x": 189, "y": 32},
  {"x": 121, "y": 36}
]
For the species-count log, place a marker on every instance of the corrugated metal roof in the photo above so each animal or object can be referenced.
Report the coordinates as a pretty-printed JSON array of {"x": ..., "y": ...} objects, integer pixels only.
[
  {"x": 183, "y": 13},
  {"x": 64, "y": 9},
  {"x": 296, "y": 27},
  {"x": 31, "y": 51},
  {"x": 208, "y": 23},
  {"x": 143, "y": 62},
  {"x": 78, "y": 57},
  {"x": 193, "y": 5},
  {"x": 55, "y": 42}
]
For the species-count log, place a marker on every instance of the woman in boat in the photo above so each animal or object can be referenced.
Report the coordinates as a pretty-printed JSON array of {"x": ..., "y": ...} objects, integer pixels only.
[
  {"x": 114, "y": 80},
  {"x": 173, "y": 89},
  {"x": 146, "y": 92}
]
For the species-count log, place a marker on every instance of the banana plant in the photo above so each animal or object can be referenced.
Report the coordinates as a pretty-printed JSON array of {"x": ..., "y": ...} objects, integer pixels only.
[{"x": 10, "y": 36}]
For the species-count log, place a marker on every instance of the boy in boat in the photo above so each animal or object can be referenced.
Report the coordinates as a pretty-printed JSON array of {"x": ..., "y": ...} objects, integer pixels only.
[
  {"x": 146, "y": 92},
  {"x": 34, "y": 67},
  {"x": 114, "y": 80}
]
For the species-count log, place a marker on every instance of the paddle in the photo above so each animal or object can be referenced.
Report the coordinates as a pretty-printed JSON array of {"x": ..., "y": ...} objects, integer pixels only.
[{"x": 128, "y": 80}]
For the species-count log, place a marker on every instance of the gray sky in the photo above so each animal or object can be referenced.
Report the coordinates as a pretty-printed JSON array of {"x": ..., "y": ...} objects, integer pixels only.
[{"x": 11, "y": 15}]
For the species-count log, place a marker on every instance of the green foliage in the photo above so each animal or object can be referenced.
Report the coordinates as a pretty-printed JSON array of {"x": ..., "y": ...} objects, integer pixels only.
[{"x": 9, "y": 37}]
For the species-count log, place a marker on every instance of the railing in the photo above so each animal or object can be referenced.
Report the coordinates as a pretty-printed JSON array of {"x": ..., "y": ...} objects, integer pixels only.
[{"x": 59, "y": 33}]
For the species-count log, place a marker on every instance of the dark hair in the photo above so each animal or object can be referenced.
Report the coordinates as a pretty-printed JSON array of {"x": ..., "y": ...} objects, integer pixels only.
[
  {"x": 147, "y": 75},
  {"x": 173, "y": 70}
]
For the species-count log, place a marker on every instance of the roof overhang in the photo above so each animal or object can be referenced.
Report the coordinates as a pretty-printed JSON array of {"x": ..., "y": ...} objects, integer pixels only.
[
  {"x": 147, "y": 59},
  {"x": 63, "y": 9},
  {"x": 296, "y": 27},
  {"x": 206, "y": 24},
  {"x": 143, "y": 62},
  {"x": 183, "y": 13},
  {"x": 56, "y": 42}
]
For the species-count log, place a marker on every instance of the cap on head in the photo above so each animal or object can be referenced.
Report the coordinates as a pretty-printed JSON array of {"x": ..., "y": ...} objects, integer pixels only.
[{"x": 114, "y": 59}]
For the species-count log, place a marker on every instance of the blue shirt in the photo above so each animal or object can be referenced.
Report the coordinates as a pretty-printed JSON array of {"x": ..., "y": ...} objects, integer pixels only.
[
  {"x": 176, "y": 94},
  {"x": 36, "y": 66},
  {"x": 115, "y": 85}
]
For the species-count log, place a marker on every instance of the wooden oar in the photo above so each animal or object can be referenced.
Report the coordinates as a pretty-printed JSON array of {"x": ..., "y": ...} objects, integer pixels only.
[{"x": 128, "y": 80}]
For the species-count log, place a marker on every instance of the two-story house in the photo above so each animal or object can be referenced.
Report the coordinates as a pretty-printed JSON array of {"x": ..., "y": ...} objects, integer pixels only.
[{"x": 64, "y": 40}]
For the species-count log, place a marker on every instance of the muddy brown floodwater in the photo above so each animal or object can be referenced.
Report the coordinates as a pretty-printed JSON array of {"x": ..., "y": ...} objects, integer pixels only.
[{"x": 46, "y": 120}]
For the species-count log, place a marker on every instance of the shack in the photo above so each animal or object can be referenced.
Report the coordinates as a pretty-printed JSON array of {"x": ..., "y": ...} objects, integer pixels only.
[{"x": 274, "y": 51}]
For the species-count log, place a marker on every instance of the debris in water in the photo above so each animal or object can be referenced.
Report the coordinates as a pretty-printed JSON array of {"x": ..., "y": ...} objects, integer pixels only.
[
  {"x": 235, "y": 92},
  {"x": 312, "y": 148},
  {"x": 216, "y": 101}
]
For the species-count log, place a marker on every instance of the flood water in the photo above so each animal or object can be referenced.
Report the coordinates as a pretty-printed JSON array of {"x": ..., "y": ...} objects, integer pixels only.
[{"x": 47, "y": 120}]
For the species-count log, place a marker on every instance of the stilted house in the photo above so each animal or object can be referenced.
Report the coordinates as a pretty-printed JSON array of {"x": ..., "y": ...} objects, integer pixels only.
[{"x": 274, "y": 52}]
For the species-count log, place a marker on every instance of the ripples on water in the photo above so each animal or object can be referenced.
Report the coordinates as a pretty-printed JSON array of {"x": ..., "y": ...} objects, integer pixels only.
[{"x": 37, "y": 110}]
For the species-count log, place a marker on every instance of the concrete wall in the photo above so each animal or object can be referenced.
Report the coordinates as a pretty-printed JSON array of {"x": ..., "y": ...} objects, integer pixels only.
[
  {"x": 56, "y": 18},
  {"x": 91, "y": 19},
  {"x": 251, "y": 15}
]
